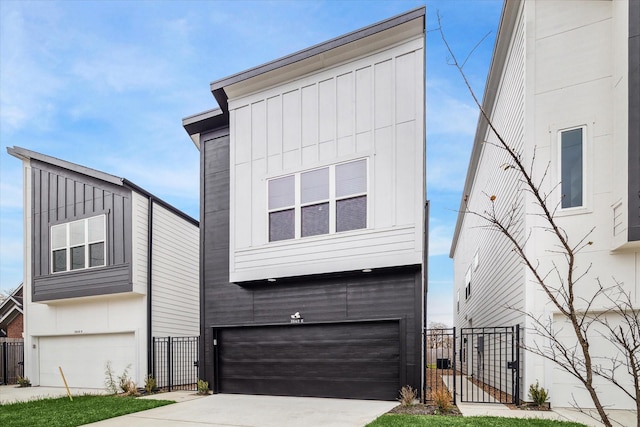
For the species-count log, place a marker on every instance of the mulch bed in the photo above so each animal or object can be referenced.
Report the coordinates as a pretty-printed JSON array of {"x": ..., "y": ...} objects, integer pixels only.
[{"x": 423, "y": 409}]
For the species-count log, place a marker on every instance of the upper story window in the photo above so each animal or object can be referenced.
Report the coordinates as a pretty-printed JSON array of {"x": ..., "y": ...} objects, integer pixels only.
[
  {"x": 321, "y": 201},
  {"x": 79, "y": 244},
  {"x": 572, "y": 148}
]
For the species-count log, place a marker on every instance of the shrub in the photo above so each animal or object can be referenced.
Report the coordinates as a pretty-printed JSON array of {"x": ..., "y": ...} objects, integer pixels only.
[
  {"x": 121, "y": 383},
  {"x": 150, "y": 385},
  {"x": 538, "y": 394},
  {"x": 23, "y": 381},
  {"x": 203, "y": 387},
  {"x": 109, "y": 380},
  {"x": 408, "y": 396},
  {"x": 442, "y": 399}
]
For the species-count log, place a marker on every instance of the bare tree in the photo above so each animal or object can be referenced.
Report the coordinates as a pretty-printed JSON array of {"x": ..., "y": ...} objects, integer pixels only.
[
  {"x": 558, "y": 281},
  {"x": 439, "y": 335}
]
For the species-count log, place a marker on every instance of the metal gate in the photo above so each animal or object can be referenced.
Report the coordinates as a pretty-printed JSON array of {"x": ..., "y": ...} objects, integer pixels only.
[
  {"x": 175, "y": 362},
  {"x": 11, "y": 361},
  {"x": 490, "y": 365},
  {"x": 482, "y": 366}
]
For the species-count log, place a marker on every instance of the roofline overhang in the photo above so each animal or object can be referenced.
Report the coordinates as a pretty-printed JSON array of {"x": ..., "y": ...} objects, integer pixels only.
[
  {"x": 204, "y": 122},
  {"x": 217, "y": 86},
  {"x": 27, "y": 155},
  {"x": 509, "y": 15}
]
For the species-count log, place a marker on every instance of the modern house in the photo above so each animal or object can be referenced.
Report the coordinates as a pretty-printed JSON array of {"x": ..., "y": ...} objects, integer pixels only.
[
  {"x": 108, "y": 266},
  {"x": 564, "y": 91},
  {"x": 313, "y": 219},
  {"x": 11, "y": 314}
]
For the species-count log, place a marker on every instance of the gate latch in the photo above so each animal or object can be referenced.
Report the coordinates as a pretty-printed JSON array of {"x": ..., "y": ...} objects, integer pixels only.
[{"x": 512, "y": 365}]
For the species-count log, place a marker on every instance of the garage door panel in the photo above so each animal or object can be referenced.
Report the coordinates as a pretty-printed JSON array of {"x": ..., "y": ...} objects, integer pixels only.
[
  {"x": 358, "y": 360},
  {"x": 360, "y": 370},
  {"x": 83, "y": 358}
]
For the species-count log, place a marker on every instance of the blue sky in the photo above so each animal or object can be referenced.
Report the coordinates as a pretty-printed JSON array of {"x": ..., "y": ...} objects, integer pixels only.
[{"x": 105, "y": 84}]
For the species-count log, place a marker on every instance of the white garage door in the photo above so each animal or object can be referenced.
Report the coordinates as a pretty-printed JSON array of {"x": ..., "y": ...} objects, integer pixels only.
[{"x": 83, "y": 358}]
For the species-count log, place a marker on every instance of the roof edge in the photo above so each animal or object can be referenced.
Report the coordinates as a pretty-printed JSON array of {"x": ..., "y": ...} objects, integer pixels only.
[
  {"x": 217, "y": 86},
  {"x": 24, "y": 154},
  {"x": 510, "y": 12}
]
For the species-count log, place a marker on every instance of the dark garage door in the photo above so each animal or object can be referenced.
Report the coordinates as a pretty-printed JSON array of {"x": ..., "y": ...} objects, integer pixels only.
[{"x": 347, "y": 360}]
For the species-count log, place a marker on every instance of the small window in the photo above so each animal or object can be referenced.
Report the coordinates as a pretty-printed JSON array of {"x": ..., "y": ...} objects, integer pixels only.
[
  {"x": 571, "y": 168},
  {"x": 314, "y": 196},
  {"x": 78, "y": 245},
  {"x": 281, "y": 208},
  {"x": 351, "y": 196},
  {"x": 467, "y": 281}
]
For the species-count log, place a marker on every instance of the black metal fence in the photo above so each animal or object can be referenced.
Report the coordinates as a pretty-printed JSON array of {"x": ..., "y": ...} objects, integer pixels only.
[
  {"x": 440, "y": 350},
  {"x": 175, "y": 362},
  {"x": 11, "y": 361},
  {"x": 490, "y": 361},
  {"x": 482, "y": 366}
]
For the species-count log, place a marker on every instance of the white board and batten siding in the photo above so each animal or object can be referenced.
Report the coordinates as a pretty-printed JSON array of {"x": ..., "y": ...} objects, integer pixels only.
[
  {"x": 484, "y": 256},
  {"x": 175, "y": 300},
  {"x": 371, "y": 107},
  {"x": 140, "y": 242}
]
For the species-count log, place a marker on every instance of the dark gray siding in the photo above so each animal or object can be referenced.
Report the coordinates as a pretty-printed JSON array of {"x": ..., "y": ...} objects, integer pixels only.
[
  {"x": 61, "y": 196},
  {"x": 634, "y": 120},
  {"x": 345, "y": 297}
]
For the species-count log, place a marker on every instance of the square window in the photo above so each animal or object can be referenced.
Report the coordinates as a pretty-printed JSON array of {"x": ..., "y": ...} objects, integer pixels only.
[
  {"x": 282, "y": 192},
  {"x": 96, "y": 228},
  {"x": 351, "y": 214},
  {"x": 351, "y": 178},
  {"x": 76, "y": 233},
  {"x": 315, "y": 219},
  {"x": 314, "y": 186},
  {"x": 281, "y": 225}
]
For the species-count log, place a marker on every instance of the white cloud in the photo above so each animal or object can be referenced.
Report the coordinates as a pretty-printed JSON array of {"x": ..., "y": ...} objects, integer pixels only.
[
  {"x": 122, "y": 68},
  {"x": 10, "y": 195},
  {"x": 27, "y": 85},
  {"x": 440, "y": 239}
]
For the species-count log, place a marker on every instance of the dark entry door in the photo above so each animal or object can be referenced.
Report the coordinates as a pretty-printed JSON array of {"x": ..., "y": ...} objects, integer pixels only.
[{"x": 346, "y": 360}]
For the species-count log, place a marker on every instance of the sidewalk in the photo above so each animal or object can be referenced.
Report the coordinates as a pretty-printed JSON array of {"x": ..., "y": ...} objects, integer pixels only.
[
  {"x": 13, "y": 393},
  {"x": 493, "y": 409}
]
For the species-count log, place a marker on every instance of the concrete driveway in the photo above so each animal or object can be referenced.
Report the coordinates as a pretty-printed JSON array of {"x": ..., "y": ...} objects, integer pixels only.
[
  {"x": 256, "y": 411},
  {"x": 227, "y": 409}
]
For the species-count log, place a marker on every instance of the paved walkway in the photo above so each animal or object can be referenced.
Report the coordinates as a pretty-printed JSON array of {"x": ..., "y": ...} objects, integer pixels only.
[{"x": 489, "y": 407}]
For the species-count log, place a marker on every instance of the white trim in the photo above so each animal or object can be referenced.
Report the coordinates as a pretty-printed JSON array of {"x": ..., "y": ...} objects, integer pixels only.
[
  {"x": 333, "y": 199},
  {"x": 86, "y": 243}
]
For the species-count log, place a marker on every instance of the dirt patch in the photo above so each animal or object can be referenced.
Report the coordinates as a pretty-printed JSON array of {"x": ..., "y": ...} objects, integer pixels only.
[{"x": 423, "y": 409}]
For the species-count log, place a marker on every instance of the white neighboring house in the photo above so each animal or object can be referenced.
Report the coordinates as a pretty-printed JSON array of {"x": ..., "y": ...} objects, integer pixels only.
[
  {"x": 564, "y": 86},
  {"x": 108, "y": 266}
]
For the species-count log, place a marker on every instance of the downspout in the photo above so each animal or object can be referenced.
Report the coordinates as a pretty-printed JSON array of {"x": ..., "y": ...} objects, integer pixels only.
[
  {"x": 149, "y": 269},
  {"x": 425, "y": 277}
]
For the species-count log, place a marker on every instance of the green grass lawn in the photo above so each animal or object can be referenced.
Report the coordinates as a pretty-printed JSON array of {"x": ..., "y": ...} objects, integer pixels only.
[
  {"x": 62, "y": 412},
  {"x": 392, "y": 420}
]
